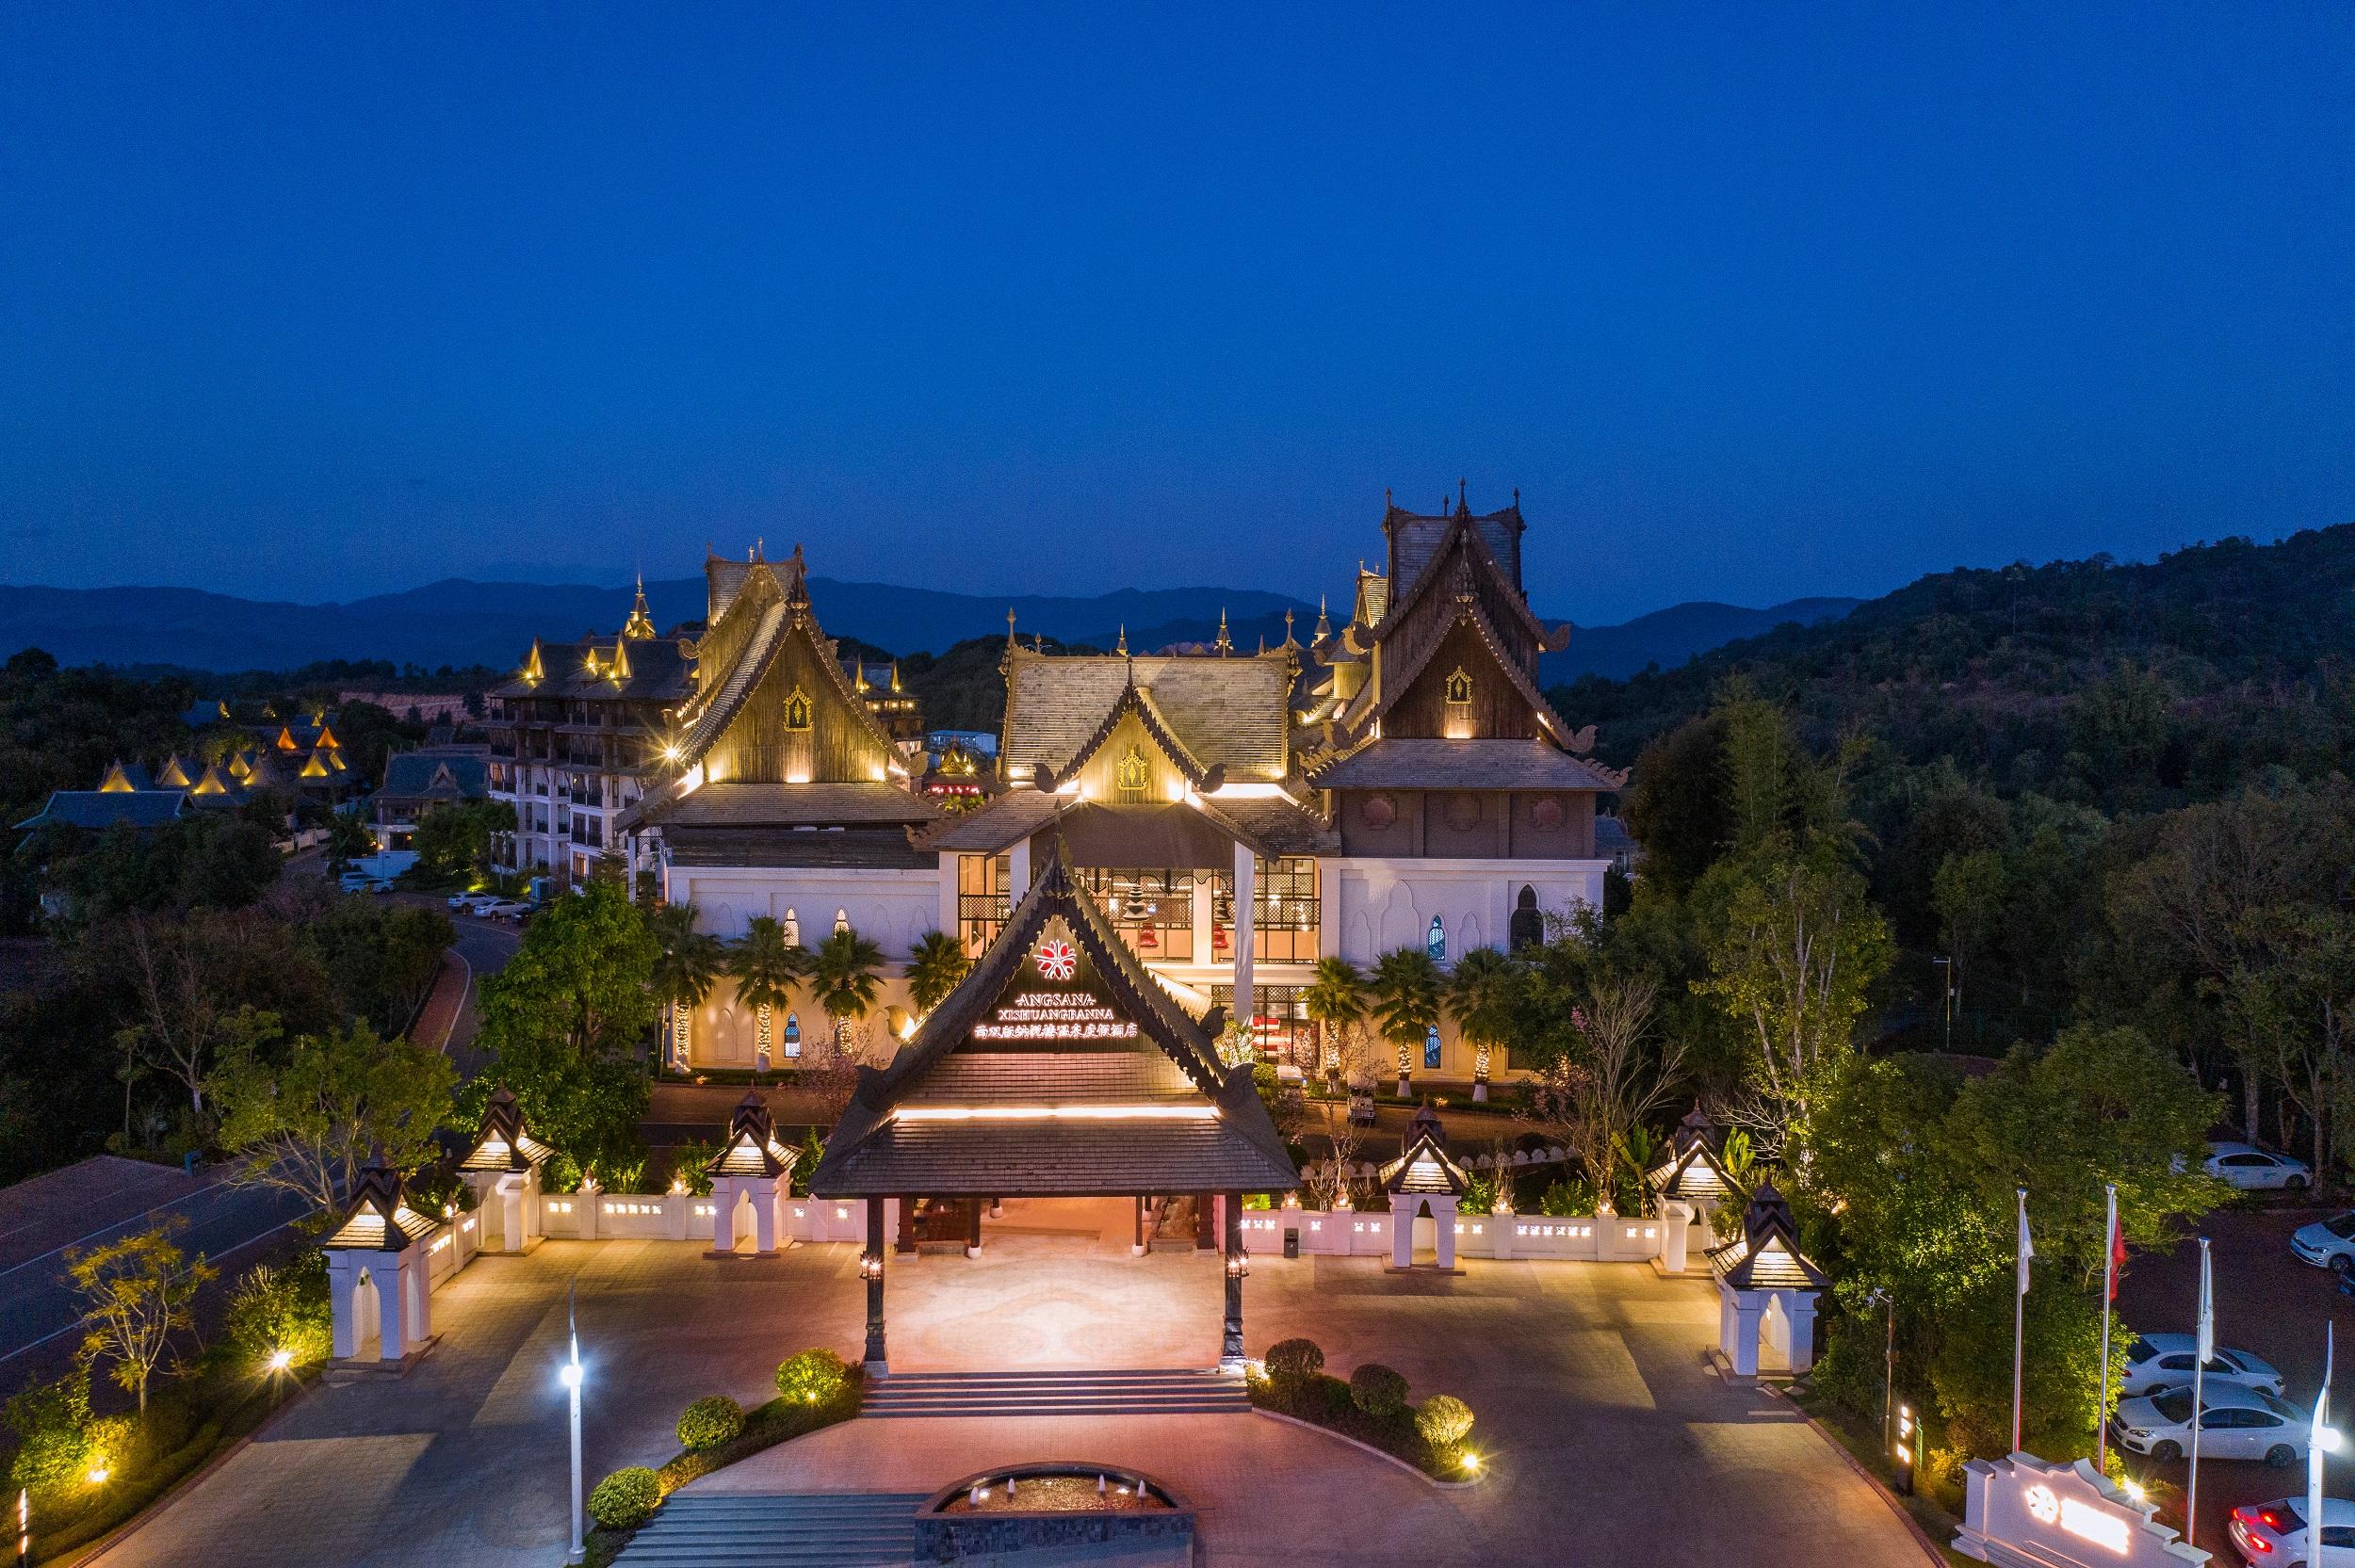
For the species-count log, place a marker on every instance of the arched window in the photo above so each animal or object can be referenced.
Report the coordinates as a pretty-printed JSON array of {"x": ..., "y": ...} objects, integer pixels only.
[
  {"x": 1434, "y": 943},
  {"x": 1431, "y": 1048},
  {"x": 792, "y": 1034},
  {"x": 1529, "y": 926}
]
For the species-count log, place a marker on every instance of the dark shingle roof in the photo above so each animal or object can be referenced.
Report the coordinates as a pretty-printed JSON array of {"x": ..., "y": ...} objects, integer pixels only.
[
  {"x": 1415, "y": 764},
  {"x": 101, "y": 809},
  {"x": 658, "y": 672},
  {"x": 885, "y": 848},
  {"x": 736, "y": 805},
  {"x": 1008, "y": 820},
  {"x": 1229, "y": 712},
  {"x": 437, "y": 775}
]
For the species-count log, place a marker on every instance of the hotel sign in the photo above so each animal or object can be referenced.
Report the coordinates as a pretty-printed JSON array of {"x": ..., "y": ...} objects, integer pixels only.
[
  {"x": 2025, "y": 1512},
  {"x": 1055, "y": 1016}
]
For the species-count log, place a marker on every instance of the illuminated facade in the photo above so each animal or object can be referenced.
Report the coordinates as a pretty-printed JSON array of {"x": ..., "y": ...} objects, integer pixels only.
[{"x": 1398, "y": 782}]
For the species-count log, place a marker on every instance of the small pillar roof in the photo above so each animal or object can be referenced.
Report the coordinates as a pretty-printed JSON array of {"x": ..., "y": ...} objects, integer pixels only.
[
  {"x": 1693, "y": 1175},
  {"x": 504, "y": 1144},
  {"x": 380, "y": 1220},
  {"x": 751, "y": 1148},
  {"x": 1422, "y": 1165},
  {"x": 1766, "y": 1255}
]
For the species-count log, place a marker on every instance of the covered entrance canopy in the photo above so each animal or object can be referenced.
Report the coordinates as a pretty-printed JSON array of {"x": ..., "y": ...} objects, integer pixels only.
[{"x": 1059, "y": 1068}]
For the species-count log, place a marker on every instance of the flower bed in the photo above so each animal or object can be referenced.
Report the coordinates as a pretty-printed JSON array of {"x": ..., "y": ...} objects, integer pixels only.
[{"x": 1390, "y": 1424}]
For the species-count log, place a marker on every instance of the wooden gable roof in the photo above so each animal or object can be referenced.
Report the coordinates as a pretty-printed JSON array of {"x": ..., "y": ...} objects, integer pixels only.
[{"x": 1059, "y": 1066}]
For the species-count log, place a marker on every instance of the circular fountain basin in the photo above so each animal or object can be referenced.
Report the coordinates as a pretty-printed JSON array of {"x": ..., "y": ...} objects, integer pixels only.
[{"x": 1053, "y": 1503}]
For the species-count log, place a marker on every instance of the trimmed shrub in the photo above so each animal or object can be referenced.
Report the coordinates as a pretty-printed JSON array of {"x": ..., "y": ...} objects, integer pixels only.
[
  {"x": 812, "y": 1377},
  {"x": 272, "y": 1309},
  {"x": 52, "y": 1422},
  {"x": 1293, "y": 1359},
  {"x": 625, "y": 1499},
  {"x": 709, "y": 1422},
  {"x": 1444, "y": 1421},
  {"x": 1379, "y": 1391}
]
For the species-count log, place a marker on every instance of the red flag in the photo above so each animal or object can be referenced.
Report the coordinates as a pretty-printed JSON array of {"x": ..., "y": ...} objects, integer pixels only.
[{"x": 2118, "y": 1249}]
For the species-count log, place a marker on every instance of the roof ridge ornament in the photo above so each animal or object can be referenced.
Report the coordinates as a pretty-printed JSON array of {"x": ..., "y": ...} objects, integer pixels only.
[
  {"x": 1226, "y": 644},
  {"x": 1121, "y": 648}
]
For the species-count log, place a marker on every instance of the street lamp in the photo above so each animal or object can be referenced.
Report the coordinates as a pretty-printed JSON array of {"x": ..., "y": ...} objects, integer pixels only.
[
  {"x": 2324, "y": 1439},
  {"x": 570, "y": 1375}
]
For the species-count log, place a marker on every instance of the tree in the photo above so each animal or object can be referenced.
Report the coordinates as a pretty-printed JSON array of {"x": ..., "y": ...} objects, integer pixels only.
[
  {"x": 1335, "y": 1001},
  {"x": 565, "y": 1021},
  {"x": 1406, "y": 994},
  {"x": 687, "y": 963},
  {"x": 382, "y": 959},
  {"x": 937, "y": 965},
  {"x": 454, "y": 840},
  {"x": 184, "y": 1022},
  {"x": 135, "y": 1291},
  {"x": 1792, "y": 961},
  {"x": 348, "y": 839},
  {"x": 1479, "y": 995},
  {"x": 309, "y": 1124},
  {"x": 767, "y": 968},
  {"x": 844, "y": 979}
]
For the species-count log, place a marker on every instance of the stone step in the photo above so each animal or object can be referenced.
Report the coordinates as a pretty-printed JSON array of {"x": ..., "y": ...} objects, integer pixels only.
[
  {"x": 856, "y": 1529},
  {"x": 1134, "y": 1392}
]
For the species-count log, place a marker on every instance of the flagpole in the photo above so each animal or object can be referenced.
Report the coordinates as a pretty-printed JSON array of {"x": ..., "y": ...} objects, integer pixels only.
[
  {"x": 2109, "y": 1294},
  {"x": 2204, "y": 1348},
  {"x": 2316, "y": 1446},
  {"x": 2026, "y": 1250}
]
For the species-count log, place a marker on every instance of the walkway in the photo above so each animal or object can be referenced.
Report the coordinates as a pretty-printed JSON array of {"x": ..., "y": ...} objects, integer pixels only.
[{"x": 1610, "y": 1440}]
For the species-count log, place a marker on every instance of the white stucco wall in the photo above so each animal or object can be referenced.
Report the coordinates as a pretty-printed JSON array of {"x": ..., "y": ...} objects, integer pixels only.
[
  {"x": 1373, "y": 905},
  {"x": 894, "y": 908}
]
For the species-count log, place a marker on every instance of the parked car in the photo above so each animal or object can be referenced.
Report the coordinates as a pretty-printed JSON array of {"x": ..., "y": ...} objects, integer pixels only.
[
  {"x": 2157, "y": 1361},
  {"x": 504, "y": 909},
  {"x": 2252, "y": 1169},
  {"x": 2275, "y": 1534},
  {"x": 2327, "y": 1243},
  {"x": 472, "y": 903},
  {"x": 2235, "y": 1423}
]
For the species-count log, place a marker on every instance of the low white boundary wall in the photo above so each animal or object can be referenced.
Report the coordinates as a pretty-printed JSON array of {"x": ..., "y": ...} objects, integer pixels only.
[{"x": 1366, "y": 1233}]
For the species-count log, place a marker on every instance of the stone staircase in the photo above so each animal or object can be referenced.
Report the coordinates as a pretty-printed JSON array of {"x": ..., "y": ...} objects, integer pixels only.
[
  {"x": 853, "y": 1529},
  {"x": 1143, "y": 1392}
]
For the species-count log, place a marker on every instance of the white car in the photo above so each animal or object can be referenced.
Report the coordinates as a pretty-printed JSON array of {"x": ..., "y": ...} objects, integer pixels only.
[
  {"x": 504, "y": 909},
  {"x": 2235, "y": 1423},
  {"x": 2274, "y": 1534},
  {"x": 2157, "y": 1361},
  {"x": 2252, "y": 1169},
  {"x": 2328, "y": 1243},
  {"x": 472, "y": 903}
]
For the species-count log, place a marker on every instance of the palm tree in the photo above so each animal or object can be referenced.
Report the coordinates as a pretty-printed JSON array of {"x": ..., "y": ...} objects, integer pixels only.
[
  {"x": 938, "y": 963},
  {"x": 1406, "y": 1005},
  {"x": 687, "y": 963},
  {"x": 767, "y": 967},
  {"x": 843, "y": 980},
  {"x": 1479, "y": 995},
  {"x": 1336, "y": 1003}
]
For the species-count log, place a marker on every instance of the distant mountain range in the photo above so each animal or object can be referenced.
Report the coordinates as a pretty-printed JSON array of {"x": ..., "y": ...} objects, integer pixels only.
[{"x": 459, "y": 623}]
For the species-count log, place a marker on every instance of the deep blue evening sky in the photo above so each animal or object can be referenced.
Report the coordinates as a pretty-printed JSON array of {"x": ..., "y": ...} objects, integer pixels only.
[{"x": 309, "y": 301}]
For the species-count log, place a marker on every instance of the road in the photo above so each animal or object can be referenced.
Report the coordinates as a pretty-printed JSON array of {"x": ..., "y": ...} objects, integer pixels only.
[
  {"x": 2268, "y": 1302},
  {"x": 484, "y": 947}
]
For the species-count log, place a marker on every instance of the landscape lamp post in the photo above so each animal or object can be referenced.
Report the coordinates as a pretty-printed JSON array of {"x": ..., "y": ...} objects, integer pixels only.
[
  {"x": 2323, "y": 1439},
  {"x": 569, "y": 1374}
]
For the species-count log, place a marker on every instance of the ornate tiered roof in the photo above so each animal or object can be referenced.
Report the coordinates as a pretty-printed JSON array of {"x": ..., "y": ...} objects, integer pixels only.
[
  {"x": 1058, "y": 1067},
  {"x": 380, "y": 1221},
  {"x": 751, "y": 1148},
  {"x": 1766, "y": 1255},
  {"x": 1423, "y": 1165},
  {"x": 504, "y": 1144}
]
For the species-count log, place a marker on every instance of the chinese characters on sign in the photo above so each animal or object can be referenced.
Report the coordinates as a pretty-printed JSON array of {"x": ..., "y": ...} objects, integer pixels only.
[{"x": 1044, "y": 1015}]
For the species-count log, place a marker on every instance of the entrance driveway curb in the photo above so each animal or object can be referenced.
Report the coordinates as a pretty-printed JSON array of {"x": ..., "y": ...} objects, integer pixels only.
[
  {"x": 1382, "y": 1454},
  {"x": 1913, "y": 1526}
]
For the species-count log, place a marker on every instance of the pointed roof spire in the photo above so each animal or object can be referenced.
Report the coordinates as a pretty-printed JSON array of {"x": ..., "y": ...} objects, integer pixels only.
[
  {"x": 534, "y": 670},
  {"x": 619, "y": 668},
  {"x": 1226, "y": 643},
  {"x": 641, "y": 624},
  {"x": 1325, "y": 624},
  {"x": 1010, "y": 626},
  {"x": 1463, "y": 507},
  {"x": 1121, "y": 646},
  {"x": 1288, "y": 627},
  {"x": 895, "y": 675}
]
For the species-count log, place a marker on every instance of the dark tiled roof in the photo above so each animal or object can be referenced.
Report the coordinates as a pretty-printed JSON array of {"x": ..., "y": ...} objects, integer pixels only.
[
  {"x": 979, "y": 1077},
  {"x": 1414, "y": 764},
  {"x": 1229, "y": 712},
  {"x": 1058, "y": 1159},
  {"x": 658, "y": 672},
  {"x": 503, "y": 1143},
  {"x": 453, "y": 775},
  {"x": 1273, "y": 824},
  {"x": 1007, "y": 821},
  {"x": 1423, "y": 1165},
  {"x": 1101, "y": 833},
  {"x": 791, "y": 805},
  {"x": 751, "y": 1148},
  {"x": 381, "y": 1219},
  {"x": 101, "y": 809},
  {"x": 885, "y": 848}
]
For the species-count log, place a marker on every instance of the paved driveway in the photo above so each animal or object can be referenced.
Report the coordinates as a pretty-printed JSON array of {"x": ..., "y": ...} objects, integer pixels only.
[{"x": 1611, "y": 1440}]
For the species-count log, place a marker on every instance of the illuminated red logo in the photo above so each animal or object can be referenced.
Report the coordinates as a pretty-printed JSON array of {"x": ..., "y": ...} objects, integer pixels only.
[{"x": 1057, "y": 960}]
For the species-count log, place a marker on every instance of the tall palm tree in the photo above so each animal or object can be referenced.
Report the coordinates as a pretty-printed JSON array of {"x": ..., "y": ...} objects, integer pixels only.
[
  {"x": 843, "y": 979},
  {"x": 687, "y": 963},
  {"x": 1406, "y": 992},
  {"x": 1479, "y": 995},
  {"x": 1336, "y": 1003},
  {"x": 938, "y": 963},
  {"x": 767, "y": 968}
]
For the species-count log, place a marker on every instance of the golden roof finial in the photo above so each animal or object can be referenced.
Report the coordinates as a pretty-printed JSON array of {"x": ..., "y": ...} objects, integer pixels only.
[
  {"x": 1122, "y": 646},
  {"x": 640, "y": 624},
  {"x": 1325, "y": 626},
  {"x": 1226, "y": 643}
]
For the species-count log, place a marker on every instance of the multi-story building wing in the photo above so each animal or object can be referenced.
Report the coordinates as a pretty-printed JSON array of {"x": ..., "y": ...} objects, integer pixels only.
[{"x": 575, "y": 740}]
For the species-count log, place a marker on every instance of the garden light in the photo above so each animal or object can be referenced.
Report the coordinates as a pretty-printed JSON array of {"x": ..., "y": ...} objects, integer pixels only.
[
  {"x": 2328, "y": 1439},
  {"x": 279, "y": 1360},
  {"x": 569, "y": 1374},
  {"x": 1472, "y": 1462},
  {"x": 98, "y": 1474}
]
